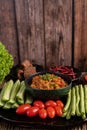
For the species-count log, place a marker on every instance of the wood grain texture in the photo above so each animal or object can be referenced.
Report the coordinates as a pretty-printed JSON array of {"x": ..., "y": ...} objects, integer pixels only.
[
  {"x": 7, "y": 27},
  {"x": 29, "y": 15},
  {"x": 80, "y": 34},
  {"x": 58, "y": 32},
  {"x": 43, "y": 34}
]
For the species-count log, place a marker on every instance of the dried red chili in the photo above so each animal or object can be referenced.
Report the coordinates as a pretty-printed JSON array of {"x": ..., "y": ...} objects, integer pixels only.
[{"x": 64, "y": 70}]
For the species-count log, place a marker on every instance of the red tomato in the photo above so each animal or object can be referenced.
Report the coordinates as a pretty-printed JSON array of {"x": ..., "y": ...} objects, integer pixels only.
[
  {"x": 50, "y": 103},
  {"x": 60, "y": 103},
  {"x": 58, "y": 111},
  {"x": 32, "y": 111},
  {"x": 43, "y": 113},
  {"x": 85, "y": 77},
  {"x": 51, "y": 112},
  {"x": 22, "y": 108},
  {"x": 39, "y": 104}
]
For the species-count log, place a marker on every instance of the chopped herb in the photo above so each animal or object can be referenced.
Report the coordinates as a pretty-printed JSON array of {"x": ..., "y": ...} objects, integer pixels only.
[{"x": 48, "y": 76}]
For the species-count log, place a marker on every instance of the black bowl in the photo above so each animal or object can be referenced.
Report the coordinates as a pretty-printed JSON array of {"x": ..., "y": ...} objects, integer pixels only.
[{"x": 48, "y": 94}]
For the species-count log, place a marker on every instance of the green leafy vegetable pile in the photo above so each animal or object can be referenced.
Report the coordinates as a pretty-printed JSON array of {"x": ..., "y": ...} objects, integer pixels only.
[{"x": 6, "y": 62}]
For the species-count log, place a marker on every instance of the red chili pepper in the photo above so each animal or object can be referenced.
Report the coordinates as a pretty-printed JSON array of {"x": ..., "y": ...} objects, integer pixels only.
[{"x": 64, "y": 70}]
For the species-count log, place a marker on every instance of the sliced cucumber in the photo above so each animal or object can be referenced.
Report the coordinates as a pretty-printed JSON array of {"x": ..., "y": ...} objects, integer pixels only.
[
  {"x": 14, "y": 91},
  {"x": 7, "y": 105},
  {"x": 7, "y": 91},
  {"x": 15, "y": 105},
  {"x": 20, "y": 94},
  {"x": 28, "y": 98},
  {"x": 1, "y": 94}
]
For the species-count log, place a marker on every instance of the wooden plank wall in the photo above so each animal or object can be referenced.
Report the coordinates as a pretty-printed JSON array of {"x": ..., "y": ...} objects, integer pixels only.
[
  {"x": 47, "y": 32},
  {"x": 8, "y": 33},
  {"x": 80, "y": 34},
  {"x": 30, "y": 26},
  {"x": 58, "y": 32}
]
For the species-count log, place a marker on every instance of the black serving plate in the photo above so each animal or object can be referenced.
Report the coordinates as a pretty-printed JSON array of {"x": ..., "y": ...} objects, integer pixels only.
[
  {"x": 36, "y": 122},
  {"x": 10, "y": 116}
]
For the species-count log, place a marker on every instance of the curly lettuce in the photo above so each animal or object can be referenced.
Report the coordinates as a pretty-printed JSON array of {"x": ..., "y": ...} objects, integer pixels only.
[{"x": 6, "y": 62}]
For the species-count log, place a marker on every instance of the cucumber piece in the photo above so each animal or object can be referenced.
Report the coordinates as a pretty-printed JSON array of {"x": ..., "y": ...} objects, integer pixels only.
[
  {"x": 1, "y": 94},
  {"x": 15, "y": 105},
  {"x": 7, "y": 105},
  {"x": 20, "y": 94},
  {"x": 14, "y": 91},
  {"x": 84, "y": 116},
  {"x": 28, "y": 98},
  {"x": 7, "y": 91}
]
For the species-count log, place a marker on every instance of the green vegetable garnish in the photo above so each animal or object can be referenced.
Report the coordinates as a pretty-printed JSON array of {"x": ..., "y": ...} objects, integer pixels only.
[
  {"x": 48, "y": 76},
  {"x": 6, "y": 62}
]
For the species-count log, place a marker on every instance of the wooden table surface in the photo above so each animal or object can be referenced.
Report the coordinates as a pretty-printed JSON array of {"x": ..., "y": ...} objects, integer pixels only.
[{"x": 4, "y": 125}]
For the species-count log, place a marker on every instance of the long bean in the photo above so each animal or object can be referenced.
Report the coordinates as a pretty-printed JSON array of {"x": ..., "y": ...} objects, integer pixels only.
[
  {"x": 67, "y": 102},
  {"x": 82, "y": 105},
  {"x": 68, "y": 115},
  {"x": 77, "y": 100},
  {"x": 85, "y": 94},
  {"x": 64, "y": 114},
  {"x": 73, "y": 101}
]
